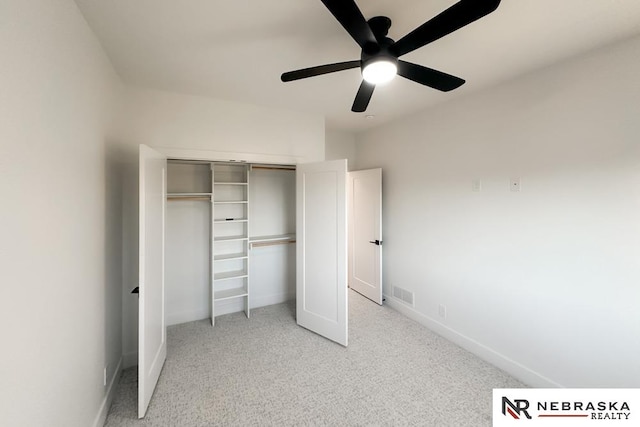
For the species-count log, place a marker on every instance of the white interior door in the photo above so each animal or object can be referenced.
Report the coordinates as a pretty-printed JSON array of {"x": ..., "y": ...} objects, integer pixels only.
[
  {"x": 365, "y": 233},
  {"x": 321, "y": 234},
  {"x": 152, "y": 337}
]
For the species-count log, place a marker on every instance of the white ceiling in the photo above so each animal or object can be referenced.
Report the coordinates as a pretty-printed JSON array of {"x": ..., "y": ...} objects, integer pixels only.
[{"x": 237, "y": 49}]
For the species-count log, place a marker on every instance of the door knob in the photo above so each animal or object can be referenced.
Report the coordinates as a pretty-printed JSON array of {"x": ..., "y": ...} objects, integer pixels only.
[{"x": 376, "y": 242}]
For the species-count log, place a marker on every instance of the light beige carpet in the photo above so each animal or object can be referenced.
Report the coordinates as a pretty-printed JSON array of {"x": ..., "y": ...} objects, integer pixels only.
[{"x": 267, "y": 371}]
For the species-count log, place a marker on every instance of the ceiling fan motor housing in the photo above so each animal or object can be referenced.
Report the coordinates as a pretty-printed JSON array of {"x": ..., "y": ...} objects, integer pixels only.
[
  {"x": 372, "y": 52},
  {"x": 380, "y": 52}
]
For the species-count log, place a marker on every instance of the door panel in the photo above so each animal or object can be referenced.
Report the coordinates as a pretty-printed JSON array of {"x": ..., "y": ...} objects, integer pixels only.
[
  {"x": 321, "y": 282},
  {"x": 365, "y": 233},
  {"x": 152, "y": 338}
]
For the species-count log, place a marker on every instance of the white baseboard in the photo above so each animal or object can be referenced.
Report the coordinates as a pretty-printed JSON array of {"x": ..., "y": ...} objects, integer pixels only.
[
  {"x": 266, "y": 300},
  {"x": 129, "y": 360},
  {"x": 101, "y": 417},
  {"x": 519, "y": 371},
  {"x": 179, "y": 317}
]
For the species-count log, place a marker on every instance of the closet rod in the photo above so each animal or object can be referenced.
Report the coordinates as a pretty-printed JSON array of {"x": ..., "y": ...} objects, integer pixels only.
[
  {"x": 275, "y": 242},
  {"x": 275, "y": 168},
  {"x": 204, "y": 199}
]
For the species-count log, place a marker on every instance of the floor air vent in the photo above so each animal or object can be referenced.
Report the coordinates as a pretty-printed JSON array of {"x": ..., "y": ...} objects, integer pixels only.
[{"x": 403, "y": 294}]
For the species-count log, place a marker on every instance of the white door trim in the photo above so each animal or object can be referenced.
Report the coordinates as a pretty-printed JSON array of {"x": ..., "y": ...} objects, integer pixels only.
[
  {"x": 227, "y": 156},
  {"x": 365, "y": 228}
]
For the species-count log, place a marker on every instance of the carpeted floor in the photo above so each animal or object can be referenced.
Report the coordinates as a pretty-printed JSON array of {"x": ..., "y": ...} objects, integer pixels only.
[{"x": 267, "y": 371}]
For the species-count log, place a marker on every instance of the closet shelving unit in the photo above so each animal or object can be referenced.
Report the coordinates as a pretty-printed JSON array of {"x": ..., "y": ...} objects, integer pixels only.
[{"x": 230, "y": 234}]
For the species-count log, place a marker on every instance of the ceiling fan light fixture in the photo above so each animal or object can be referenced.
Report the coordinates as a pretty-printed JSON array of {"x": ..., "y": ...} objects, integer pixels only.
[
  {"x": 379, "y": 61},
  {"x": 380, "y": 71}
]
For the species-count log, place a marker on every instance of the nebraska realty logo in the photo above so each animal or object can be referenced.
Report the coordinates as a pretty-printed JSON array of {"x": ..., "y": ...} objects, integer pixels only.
[{"x": 566, "y": 407}]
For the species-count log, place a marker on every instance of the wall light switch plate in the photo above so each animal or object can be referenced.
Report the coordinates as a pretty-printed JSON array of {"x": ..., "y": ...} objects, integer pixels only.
[
  {"x": 476, "y": 185},
  {"x": 514, "y": 185}
]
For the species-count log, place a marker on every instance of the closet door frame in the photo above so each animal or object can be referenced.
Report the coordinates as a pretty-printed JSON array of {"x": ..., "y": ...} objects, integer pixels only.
[{"x": 228, "y": 157}]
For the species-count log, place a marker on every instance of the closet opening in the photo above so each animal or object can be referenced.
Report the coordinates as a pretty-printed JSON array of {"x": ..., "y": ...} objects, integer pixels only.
[{"x": 230, "y": 234}]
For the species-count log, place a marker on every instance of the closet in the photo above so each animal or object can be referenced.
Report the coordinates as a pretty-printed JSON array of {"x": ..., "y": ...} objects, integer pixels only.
[
  {"x": 226, "y": 232},
  {"x": 230, "y": 234}
]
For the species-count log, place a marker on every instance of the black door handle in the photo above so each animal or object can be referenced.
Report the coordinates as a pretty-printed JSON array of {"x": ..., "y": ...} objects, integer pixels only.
[{"x": 376, "y": 242}]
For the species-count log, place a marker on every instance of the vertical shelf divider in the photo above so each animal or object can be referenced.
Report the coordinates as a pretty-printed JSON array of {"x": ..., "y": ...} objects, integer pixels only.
[
  {"x": 212, "y": 267},
  {"x": 248, "y": 230}
]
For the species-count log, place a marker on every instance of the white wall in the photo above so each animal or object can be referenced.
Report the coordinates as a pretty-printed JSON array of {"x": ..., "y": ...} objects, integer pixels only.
[
  {"x": 341, "y": 145},
  {"x": 170, "y": 120},
  {"x": 544, "y": 282},
  {"x": 163, "y": 119},
  {"x": 60, "y": 221}
]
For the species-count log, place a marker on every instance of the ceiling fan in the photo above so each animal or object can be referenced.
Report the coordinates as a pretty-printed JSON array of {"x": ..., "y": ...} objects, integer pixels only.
[{"x": 379, "y": 58}]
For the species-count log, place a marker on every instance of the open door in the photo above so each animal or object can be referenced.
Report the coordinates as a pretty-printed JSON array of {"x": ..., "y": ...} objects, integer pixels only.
[
  {"x": 365, "y": 233},
  {"x": 321, "y": 234},
  {"x": 152, "y": 336}
]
